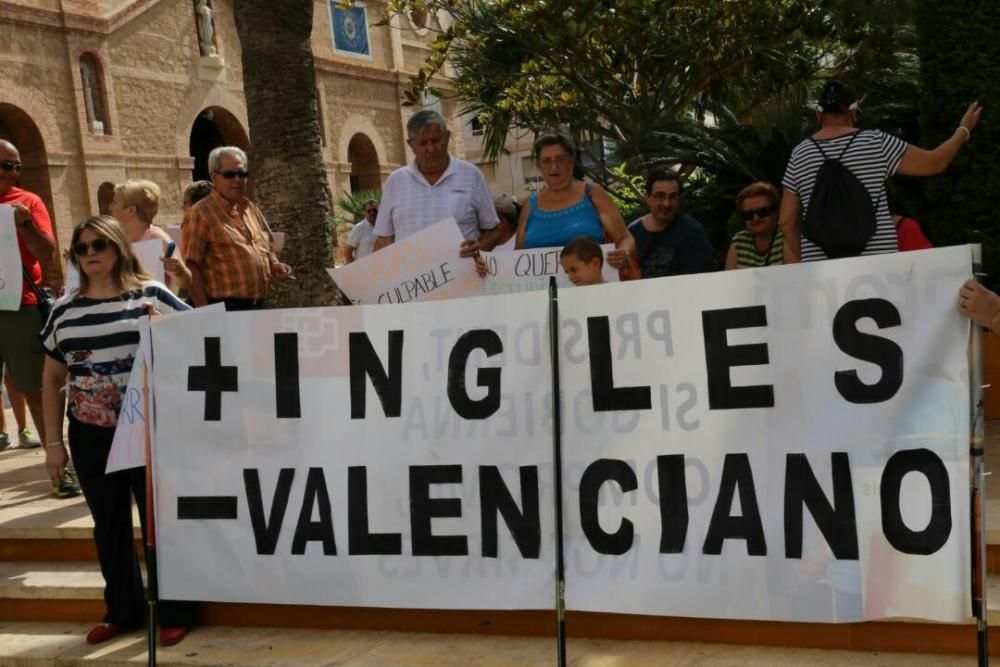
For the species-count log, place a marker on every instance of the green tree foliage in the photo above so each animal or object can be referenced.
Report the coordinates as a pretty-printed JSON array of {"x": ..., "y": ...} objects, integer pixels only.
[
  {"x": 716, "y": 86},
  {"x": 960, "y": 62}
]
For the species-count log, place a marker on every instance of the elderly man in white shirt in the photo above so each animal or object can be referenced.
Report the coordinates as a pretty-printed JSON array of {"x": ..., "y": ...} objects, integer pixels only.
[{"x": 435, "y": 187}]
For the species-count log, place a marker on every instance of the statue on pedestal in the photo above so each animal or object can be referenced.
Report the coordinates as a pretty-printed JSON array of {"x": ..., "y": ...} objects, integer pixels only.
[{"x": 206, "y": 31}]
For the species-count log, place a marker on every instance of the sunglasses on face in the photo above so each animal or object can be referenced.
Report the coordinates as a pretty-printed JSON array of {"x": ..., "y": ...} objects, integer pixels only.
[
  {"x": 230, "y": 174},
  {"x": 761, "y": 212},
  {"x": 97, "y": 245},
  {"x": 10, "y": 165}
]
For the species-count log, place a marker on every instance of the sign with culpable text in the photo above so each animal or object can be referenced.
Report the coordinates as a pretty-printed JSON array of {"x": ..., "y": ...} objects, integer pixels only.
[{"x": 786, "y": 443}]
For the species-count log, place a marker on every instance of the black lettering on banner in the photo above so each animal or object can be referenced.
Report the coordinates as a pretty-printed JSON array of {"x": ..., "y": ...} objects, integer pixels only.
[
  {"x": 423, "y": 509},
  {"x": 495, "y": 498},
  {"x": 594, "y": 477},
  {"x": 267, "y": 530},
  {"x": 360, "y": 541},
  {"x": 213, "y": 378},
  {"x": 938, "y": 529},
  {"x": 365, "y": 363},
  {"x": 321, "y": 530},
  {"x": 605, "y": 395},
  {"x": 720, "y": 356},
  {"x": 882, "y": 352},
  {"x": 673, "y": 503},
  {"x": 489, "y": 342},
  {"x": 286, "y": 376},
  {"x": 837, "y": 522},
  {"x": 736, "y": 474}
]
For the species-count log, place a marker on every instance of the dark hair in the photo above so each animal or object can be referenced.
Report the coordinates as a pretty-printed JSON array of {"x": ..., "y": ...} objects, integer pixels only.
[
  {"x": 759, "y": 189},
  {"x": 584, "y": 249},
  {"x": 197, "y": 191},
  {"x": 554, "y": 138},
  {"x": 836, "y": 97},
  {"x": 661, "y": 174}
]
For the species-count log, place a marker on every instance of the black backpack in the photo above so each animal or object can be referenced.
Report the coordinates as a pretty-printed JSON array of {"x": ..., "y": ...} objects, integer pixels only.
[{"x": 840, "y": 218}]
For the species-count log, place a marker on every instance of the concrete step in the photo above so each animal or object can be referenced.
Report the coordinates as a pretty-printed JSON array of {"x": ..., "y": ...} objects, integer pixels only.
[
  {"x": 61, "y": 591},
  {"x": 62, "y": 644}
]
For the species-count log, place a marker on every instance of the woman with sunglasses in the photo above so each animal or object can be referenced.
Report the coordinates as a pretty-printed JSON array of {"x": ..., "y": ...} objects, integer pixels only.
[
  {"x": 91, "y": 339},
  {"x": 761, "y": 243}
]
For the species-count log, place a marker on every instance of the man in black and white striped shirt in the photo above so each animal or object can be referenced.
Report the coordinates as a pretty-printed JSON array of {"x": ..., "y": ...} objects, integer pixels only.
[{"x": 872, "y": 156}]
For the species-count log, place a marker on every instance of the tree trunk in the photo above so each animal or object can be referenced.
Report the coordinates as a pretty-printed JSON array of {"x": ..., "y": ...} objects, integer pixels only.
[{"x": 279, "y": 80}]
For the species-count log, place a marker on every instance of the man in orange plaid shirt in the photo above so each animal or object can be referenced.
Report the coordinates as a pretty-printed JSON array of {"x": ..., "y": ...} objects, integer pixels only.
[{"x": 227, "y": 243}]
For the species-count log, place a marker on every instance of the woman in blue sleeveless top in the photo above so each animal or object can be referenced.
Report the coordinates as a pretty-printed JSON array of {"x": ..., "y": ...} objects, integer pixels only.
[{"x": 567, "y": 208}]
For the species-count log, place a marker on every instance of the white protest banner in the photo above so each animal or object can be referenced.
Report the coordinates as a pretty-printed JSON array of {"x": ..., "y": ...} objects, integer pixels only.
[
  {"x": 787, "y": 443},
  {"x": 354, "y": 456},
  {"x": 148, "y": 252},
  {"x": 528, "y": 270},
  {"x": 779, "y": 444},
  {"x": 11, "y": 277},
  {"x": 128, "y": 447},
  {"x": 422, "y": 267}
]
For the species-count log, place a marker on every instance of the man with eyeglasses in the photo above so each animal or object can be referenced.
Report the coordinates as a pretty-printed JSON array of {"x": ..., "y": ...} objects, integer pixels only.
[
  {"x": 668, "y": 242},
  {"x": 227, "y": 243},
  {"x": 20, "y": 348},
  {"x": 434, "y": 187},
  {"x": 361, "y": 240}
]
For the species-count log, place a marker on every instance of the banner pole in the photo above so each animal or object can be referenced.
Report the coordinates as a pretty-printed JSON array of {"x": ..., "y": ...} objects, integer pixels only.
[
  {"x": 976, "y": 451},
  {"x": 152, "y": 592},
  {"x": 557, "y": 472}
]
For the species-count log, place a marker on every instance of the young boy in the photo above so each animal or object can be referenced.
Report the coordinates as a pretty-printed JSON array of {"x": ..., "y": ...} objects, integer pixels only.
[{"x": 582, "y": 260}]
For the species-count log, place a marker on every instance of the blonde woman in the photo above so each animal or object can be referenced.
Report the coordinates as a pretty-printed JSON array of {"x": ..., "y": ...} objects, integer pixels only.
[
  {"x": 91, "y": 339},
  {"x": 135, "y": 204}
]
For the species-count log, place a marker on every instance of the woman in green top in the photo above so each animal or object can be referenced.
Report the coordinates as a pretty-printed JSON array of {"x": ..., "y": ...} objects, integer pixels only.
[{"x": 761, "y": 243}]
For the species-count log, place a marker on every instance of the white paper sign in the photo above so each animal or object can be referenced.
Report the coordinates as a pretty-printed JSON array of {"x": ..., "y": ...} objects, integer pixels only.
[
  {"x": 425, "y": 266},
  {"x": 787, "y": 443},
  {"x": 11, "y": 276},
  {"x": 148, "y": 252},
  {"x": 528, "y": 270}
]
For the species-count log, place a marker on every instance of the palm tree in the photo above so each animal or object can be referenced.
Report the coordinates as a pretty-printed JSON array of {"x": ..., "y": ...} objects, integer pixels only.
[{"x": 279, "y": 80}]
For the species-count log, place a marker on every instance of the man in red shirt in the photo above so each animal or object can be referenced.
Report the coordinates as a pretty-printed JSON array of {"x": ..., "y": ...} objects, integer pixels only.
[{"x": 20, "y": 348}]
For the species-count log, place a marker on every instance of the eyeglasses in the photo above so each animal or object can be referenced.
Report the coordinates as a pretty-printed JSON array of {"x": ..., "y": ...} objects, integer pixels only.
[
  {"x": 230, "y": 175},
  {"x": 97, "y": 245},
  {"x": 10, "y": 165},
  {"x": 555, "y": 161},
  {"x": 663, "y": 196},
  {"x": 761, "y": 212}
]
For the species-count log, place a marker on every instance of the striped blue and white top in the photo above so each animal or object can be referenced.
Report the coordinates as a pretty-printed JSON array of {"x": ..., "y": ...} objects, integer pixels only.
[
  {"x": 97, "y": 339},
  {"x": 873, "y": 157}
]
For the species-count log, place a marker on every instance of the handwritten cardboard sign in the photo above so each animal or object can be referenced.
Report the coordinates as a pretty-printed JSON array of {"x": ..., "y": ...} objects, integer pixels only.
[
  {"x": 423, "y": 267},
  {"x": 529, "y": 270}
]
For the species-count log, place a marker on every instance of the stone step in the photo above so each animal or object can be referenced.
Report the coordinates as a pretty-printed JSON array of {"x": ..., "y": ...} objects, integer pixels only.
[
  {"x": 61, "y": 591},
  {"x": 51, "y": 644}
]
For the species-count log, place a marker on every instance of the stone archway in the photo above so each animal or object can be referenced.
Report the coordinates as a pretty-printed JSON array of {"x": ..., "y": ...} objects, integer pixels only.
[
  {"x": 105, "y": 193},
  {"x": 214, "y": 127},
  {"x": 365, "y": 172},
  {"x": 18, "y": 128}
]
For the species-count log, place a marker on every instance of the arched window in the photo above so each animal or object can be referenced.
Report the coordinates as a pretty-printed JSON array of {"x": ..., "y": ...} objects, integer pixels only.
[{"x": 93, "y": 95}]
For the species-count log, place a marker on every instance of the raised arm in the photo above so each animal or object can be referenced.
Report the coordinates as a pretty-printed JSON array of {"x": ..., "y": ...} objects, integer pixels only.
[
  {"x": 921, "y": 162},
  {"x": 614, "y": 227}
]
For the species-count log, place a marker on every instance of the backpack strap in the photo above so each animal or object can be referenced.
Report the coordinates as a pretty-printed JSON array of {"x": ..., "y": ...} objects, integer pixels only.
[{"x": 844, "y": 152}]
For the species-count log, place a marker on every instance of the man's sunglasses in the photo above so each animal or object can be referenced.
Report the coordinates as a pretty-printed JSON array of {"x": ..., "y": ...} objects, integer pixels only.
[
  {"x": 230, "y": 174},
  {"x": 761, "y": 212},
  {"x": 10, "y": 165},
  {"x": 97, "y": 245}
]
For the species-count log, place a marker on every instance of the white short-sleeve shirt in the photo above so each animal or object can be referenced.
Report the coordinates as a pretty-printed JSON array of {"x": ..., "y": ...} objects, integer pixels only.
[
  {"x": 410, "y": 204},
  {"x": 362, "y": 238}
]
